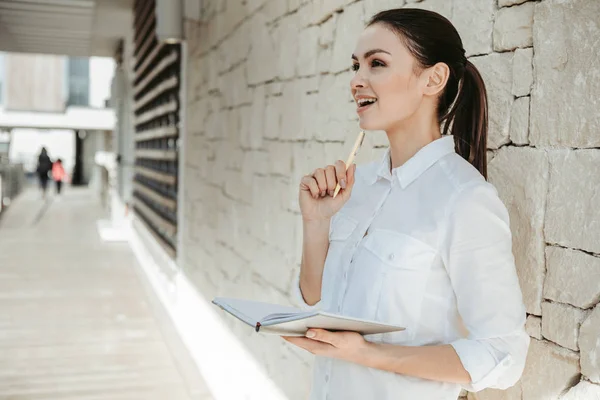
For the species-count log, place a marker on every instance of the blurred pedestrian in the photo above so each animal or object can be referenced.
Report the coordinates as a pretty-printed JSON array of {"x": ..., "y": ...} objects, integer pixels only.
[
  {"x": 44, "y": 166},
  {"x": 58, "y": 174}
]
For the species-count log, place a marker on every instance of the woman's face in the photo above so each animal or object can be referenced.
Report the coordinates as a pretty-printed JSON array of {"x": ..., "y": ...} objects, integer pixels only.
[{"x": 384, "y": 72}]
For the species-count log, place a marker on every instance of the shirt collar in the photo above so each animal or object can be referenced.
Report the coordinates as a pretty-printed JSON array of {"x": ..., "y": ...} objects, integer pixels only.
[{"x": 417, "y": 164}]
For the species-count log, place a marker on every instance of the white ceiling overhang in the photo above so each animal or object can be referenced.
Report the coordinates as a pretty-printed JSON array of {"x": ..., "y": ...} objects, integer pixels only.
[
  {"x": 66, "y": 27},
  {"x": 76, "y": 118}
]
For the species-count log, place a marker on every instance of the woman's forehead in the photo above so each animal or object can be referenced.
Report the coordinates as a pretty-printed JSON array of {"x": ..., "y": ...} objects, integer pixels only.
[{"x": 378, "y": 36}]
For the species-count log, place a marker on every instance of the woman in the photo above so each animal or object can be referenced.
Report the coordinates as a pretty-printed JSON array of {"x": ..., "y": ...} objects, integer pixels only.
[
  {"x": 420, "y": 239},
  {"x": 44, "y": 165}
]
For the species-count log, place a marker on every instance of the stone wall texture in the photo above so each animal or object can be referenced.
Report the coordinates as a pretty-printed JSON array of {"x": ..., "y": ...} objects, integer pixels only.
[{"x": 268, "y": 101}]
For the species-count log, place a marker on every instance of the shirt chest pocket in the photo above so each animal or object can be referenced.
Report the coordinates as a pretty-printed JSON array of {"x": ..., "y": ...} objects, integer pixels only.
[
  {"x": 399, "y": 251},
  {"x": 402, "y": 264}
]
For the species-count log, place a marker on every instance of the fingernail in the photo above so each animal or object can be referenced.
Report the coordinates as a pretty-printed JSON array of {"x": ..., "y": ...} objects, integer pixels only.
[
  {"x": 331, "y": 192},
  {"x": 343, "y": 183},
  {"x": 310, "y": 334}
]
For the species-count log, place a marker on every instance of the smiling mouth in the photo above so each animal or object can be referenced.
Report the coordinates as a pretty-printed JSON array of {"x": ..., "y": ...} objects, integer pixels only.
[{"x": 363, "y": 104}]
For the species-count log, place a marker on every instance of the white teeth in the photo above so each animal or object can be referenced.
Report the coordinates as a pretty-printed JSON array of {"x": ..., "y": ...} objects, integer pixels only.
[{"x": 362, "y": 102}]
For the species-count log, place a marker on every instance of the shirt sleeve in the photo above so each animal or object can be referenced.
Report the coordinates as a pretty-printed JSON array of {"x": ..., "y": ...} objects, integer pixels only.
[{"x": 477, "y": 253}]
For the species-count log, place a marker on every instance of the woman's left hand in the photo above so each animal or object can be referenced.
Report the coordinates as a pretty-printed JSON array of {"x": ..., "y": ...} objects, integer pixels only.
[{"x": 348, "y": 346}]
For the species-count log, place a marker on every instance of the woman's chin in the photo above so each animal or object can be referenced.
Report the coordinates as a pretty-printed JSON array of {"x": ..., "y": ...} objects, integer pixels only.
[{"x": 368, "y": 124}]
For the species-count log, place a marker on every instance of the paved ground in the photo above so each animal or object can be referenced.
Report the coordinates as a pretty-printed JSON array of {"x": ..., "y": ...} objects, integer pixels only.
[{"x": 77, "y": 321}]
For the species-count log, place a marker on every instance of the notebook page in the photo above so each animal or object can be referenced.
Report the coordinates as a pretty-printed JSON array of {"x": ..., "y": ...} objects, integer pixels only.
[
  {"x": 284, "y": 317},
  {"x": 256, "y": 311},
  {"x": 331, "y": 322}
]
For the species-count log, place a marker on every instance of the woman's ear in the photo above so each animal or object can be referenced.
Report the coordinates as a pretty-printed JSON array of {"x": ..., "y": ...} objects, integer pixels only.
[{"x": 437, "y": 78}]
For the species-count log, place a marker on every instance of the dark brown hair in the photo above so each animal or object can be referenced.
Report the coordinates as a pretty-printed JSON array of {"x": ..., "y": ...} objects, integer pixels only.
[{"x": 462, "y": 109}]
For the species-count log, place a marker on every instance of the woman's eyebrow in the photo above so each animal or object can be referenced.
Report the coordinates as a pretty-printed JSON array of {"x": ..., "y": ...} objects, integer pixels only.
[{"x": 371, "y": 52}]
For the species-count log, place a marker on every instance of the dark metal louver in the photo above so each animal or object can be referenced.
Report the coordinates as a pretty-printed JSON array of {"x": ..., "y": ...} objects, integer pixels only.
[{"x": 157, "y": 74}]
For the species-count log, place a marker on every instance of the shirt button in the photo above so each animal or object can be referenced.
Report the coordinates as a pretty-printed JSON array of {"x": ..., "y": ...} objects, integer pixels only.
[
  {"x": 391, "y": 257},
  {"x": 327, "y": 378}
]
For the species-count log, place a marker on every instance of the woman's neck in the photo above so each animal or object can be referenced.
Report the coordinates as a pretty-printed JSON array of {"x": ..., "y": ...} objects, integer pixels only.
[{"x": 407, "y": 139}]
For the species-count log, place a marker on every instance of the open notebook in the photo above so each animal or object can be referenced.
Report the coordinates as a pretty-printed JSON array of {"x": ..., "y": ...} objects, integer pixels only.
[{"x": 290, "y": 321}]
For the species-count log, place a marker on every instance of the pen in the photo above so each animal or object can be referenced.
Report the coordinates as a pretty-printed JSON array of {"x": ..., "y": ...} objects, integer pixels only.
[{"x": 357, "y": 144}]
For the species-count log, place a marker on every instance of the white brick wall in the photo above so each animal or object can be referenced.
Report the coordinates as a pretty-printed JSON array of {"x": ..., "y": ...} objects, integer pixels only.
[{"x": 268, "y": 101}]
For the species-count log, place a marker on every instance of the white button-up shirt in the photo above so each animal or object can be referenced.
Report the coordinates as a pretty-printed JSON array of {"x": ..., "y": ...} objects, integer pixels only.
[{"x": 428, "y": 247}]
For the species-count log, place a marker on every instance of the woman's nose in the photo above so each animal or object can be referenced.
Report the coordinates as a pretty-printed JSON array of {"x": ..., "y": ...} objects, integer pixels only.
[{"x": 357, "y": 81}]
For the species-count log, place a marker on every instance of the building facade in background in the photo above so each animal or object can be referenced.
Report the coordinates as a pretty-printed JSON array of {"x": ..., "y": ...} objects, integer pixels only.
[
  {"x": 60, "y": 103},
  {"x": 78, "y": 81}
]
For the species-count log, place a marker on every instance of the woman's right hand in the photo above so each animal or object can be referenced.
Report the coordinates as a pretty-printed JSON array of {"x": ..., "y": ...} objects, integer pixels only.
[{"x": 316, "y": 191}]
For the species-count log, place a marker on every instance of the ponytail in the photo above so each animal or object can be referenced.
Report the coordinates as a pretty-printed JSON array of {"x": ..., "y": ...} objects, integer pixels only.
[{"x": 467, "y": 120}]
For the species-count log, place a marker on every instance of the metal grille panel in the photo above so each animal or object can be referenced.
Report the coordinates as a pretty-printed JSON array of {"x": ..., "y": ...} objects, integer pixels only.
[{"x": 157, "y": 77}]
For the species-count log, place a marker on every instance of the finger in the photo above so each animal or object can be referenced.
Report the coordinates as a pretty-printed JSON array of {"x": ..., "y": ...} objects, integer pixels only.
[
  {"x": 351, "y": 174},
  {"x": 319, "y": 175},
  {"x": 322, "y": 335},
  {"x": 340, "y": 172},
  {"x": 331, "y": 179},
  {"x": 309, "y": 183}
]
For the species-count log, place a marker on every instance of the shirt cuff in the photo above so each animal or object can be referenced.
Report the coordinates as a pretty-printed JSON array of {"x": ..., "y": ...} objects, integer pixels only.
[
  {"x": 299, "y": 299},
  {"x": 484, "y": 367}
]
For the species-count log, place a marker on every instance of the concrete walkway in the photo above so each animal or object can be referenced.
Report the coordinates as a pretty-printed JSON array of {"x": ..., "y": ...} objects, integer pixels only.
[{"x": 77, "y": 321}]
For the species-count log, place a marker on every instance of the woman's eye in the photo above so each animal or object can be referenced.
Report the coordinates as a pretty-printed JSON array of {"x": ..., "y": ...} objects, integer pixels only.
[{"x": 374, "y": 63}]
